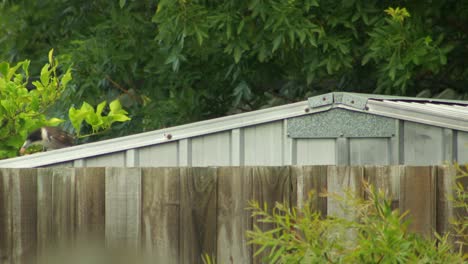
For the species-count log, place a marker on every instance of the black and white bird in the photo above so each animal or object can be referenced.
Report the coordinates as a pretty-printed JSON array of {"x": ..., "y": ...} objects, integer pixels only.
[{"x": 49, "y": 137}]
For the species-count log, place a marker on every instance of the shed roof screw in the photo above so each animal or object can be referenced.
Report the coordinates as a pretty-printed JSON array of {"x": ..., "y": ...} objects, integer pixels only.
[{"x": 307, "y": 110}]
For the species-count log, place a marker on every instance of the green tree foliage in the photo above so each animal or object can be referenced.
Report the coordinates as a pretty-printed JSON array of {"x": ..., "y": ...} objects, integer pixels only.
[{"x": 177, "y": 61}]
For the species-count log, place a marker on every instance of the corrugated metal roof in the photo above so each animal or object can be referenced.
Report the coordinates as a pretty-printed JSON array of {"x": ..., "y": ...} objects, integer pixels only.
[
  {"x": 445, "y": 114},
  {"x": 161, "y": 136}
]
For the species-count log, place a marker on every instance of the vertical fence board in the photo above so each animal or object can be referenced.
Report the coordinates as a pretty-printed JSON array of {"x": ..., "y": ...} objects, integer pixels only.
[
  {"x": 311, "y": 179},
  {"x": 160, "y": 213},
  {"x": 24, "y": 209},
  {"x": 387, "y": 179},
  {"x": 445, "y": 185},
  {"x": 339, "y": 180},
  {"x": 90, "y": 207},
  {"x": 123, "y": 208},
  {"x": 198, "y": 199},
  {"x": 6, "y": 244},
  {"x": 234, "y": 192},
  {"x": 17, "y": 215},
  {"x": 418, "y": 195},
  {"x": 446, "y": 210},
  {"x": 55, "y": 207},
  {"x": 270, "y": 185}
]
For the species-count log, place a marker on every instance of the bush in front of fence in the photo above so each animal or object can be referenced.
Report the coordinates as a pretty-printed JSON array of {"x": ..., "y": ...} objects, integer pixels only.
[{"x": 368, "y": 231}]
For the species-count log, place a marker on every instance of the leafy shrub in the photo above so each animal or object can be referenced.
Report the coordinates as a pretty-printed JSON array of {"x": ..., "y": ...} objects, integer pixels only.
[
  {"x": 95, "y": 119},
  {"x": 25, "y": 105},
  {"x": 22, "y": 110},
  {"x": 375, "y": 234},
  {"x": 460, "y": 201}
]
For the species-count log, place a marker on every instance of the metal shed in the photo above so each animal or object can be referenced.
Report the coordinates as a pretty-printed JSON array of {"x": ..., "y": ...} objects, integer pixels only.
[{"x": 330, "y": 129}]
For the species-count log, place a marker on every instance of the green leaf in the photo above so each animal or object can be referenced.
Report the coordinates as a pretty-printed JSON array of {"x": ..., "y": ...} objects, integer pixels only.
[
  {"x": 94, "y": 120},
  {"x": 366, "y": 58},
  {"x": 12, "y": 70},
  {"x": 78, "y": 116},
  {"x": 313, "y": 41},
  {"x": 51, "y": 57},
  {"x": 118, "y": 118},
  {"x": 392, "y": 73},
  {"x": 38, "y": 85},
  {"x": 122, "y": 3},
  {"x": 276, "y": 42},
  {"x": 240, "y": 27},
  {"x": 54, "y": 121},
  {"x": 200, "y": 36},
  {"x": 86, "y": 108},
  {"x": 66, "y": 78},
  {"x": 237, "y": 54},
  {"x": 100, "y": 107},
  {"x": 45, "y": 75},
  {"x": 116, "y": 107},
  {"x": 4, "y": 67},
  {"x": 25, "y": 67}
]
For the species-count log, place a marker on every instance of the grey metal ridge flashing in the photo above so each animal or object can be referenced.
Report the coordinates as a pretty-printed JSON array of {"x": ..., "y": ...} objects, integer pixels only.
[
  {"x": 359, "y": 101},
  {"x": 339, "y": 98}
]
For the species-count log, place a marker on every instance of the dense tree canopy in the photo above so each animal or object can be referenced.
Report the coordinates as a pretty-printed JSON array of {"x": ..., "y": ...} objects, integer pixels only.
[{"x": 173, "y": 62}]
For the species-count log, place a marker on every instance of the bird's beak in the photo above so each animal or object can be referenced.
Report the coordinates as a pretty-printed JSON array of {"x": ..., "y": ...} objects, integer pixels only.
[{"x": 25, "y": 146}]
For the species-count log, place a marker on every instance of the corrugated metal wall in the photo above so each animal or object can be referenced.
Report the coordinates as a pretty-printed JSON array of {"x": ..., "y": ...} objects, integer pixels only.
[{"x": 269, "y": 144}]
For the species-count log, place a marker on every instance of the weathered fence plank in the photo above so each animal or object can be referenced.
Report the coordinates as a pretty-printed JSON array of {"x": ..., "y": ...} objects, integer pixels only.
[
  {"x": 17, "y": 215},
  {"x": 270, "y": 185},
  {"x": 387, "y": 179},
  {"x": 123, "y": 207},
  {"x": 341, "y": 179},
  {"x": 446, "y": 211},
  {"x": 90, "y": 207},
  {"x": 198, "y": 197},
  {"x": 6, "y": 245},
  {"x": 234, "y": 192},
  {"x": 311, "y": 180},
  {"x": 24, "y": 187},
  {"x": 55, "y": 207},
  {"x": 160, "y": 213},
  {"x": 418, "y": 195}
]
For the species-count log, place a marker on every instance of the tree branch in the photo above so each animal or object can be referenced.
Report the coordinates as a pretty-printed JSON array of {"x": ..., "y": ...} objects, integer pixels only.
[{"x": 125, "y": 91}]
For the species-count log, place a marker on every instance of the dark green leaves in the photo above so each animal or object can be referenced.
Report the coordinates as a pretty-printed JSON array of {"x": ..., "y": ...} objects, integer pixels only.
[{"x": 401, "y": 49}]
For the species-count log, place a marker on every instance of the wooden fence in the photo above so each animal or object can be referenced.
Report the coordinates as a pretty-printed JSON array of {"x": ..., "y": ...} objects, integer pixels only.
[{"x": 177, "y": 214}]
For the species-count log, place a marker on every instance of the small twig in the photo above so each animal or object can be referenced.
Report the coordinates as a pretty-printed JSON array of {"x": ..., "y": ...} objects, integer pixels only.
[
  {"x": 118, "y": 86},
  {"x": 92, "y": 134}
]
